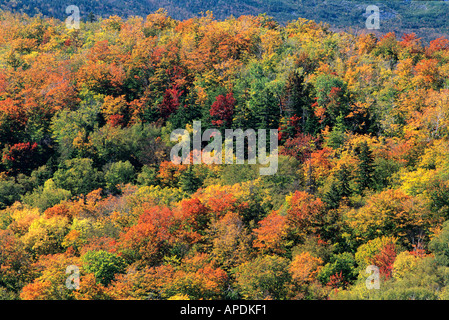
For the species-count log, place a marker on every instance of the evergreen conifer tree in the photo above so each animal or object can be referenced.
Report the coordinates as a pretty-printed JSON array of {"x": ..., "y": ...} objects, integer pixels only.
[
  {"x": 188, "y": 182},
  {"x": 339, "y": 189},
  {"x": 366, "y": 167}
]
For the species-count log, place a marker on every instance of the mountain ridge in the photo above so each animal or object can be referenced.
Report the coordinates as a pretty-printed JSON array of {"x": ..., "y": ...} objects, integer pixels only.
[{"x": 428, "y": 19}]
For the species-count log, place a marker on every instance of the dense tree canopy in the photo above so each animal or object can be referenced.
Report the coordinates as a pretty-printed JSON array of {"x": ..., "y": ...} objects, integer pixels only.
[{"x": 86, "y": 178}]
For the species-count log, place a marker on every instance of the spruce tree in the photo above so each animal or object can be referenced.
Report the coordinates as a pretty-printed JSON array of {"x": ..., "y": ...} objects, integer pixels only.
[
  {"x": 339, "y": 189},
  {"x": 299, "y": 102},
  {"x": 91, "y": 17},
  {"x": 337, "y": 136},
  {"x": 332, "y": 197},
  {"x": 366, "y": 167},
  {"x": 343, "y": 177},
  {"x": 310, "y": 183},
  {"x": 188, "y": 182}
]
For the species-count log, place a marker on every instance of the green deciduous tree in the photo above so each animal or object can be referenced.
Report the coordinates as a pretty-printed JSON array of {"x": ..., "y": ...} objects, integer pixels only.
[
  {"x": 121, "y": 172},
  {"x": 78, "y": 176},
  {"x": 104, "y": 265},
  {"x": 46, "y": 196},
  {"x": 341, "y": 265}
]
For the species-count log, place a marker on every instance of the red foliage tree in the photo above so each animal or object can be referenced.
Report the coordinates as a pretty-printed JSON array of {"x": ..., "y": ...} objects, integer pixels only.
[
  {"x": 411, "y": 43},
  {"x": 305, "y": 214},
  {"x": 384, "y": 260},
  {"x": 337, "y": 281},
  {"x": 271, "y": 233},
  {"x": 21, "y": 157},
  {"x": 116, "y": 120},
  {"x": 299, "y": 147},
  {"x": 170, "y": 173},
  {"x": 170, "y": 103},
  {"x": 223, "y": 110},
  {"x": 150, "y": 238},
  {"x": 436, "y": 45},
  {"x": 192, "y": 214}
]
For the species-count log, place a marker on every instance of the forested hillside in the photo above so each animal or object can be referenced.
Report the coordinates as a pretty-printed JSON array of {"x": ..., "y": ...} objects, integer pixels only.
[
  {"x": 428, "y": 19},
  {"x": 86, "y": 178}
]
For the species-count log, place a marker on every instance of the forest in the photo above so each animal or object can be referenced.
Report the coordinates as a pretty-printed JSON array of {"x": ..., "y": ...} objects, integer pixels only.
[{"x": 86, "y": 180}]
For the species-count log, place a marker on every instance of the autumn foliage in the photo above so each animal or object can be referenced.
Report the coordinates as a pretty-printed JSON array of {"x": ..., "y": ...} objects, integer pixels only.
[{"x": 86, "y": 178}]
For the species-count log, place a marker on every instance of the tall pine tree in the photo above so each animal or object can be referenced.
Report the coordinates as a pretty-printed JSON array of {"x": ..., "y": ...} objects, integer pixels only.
[
  {"x": 366, "y": 168},
  {"x": 299, "y": 103},
  {"x": 310, "y": 183},
  {"x": 188, "y": 182},
  {"x": 339, "y": 189}
]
